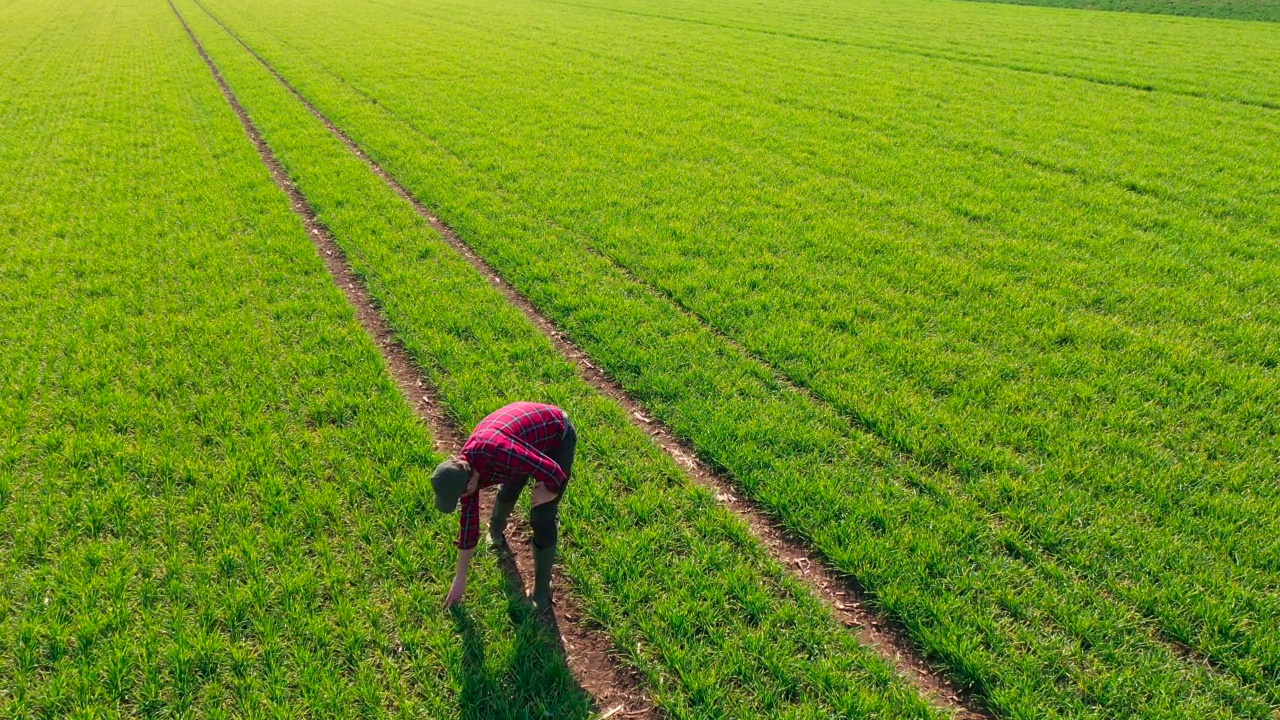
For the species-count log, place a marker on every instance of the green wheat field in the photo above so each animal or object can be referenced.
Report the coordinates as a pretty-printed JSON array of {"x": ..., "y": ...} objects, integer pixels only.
[{"x": 981, "y": 302}]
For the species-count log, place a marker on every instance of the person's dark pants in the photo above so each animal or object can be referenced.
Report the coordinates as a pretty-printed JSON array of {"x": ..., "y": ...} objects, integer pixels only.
[{"x": 545, "y": 519}]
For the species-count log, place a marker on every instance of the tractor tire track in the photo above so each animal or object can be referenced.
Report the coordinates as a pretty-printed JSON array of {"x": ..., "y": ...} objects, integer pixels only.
[
  {"x": 616, "y": 691},
  {"x": 848, "y": 601}
]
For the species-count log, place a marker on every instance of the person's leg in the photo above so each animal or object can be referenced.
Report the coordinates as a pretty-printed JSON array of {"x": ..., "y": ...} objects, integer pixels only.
[
  {"x": 508, "y": 495},
  {"x": 545, "y": 520},
  {"x": 563, "y": 455}
]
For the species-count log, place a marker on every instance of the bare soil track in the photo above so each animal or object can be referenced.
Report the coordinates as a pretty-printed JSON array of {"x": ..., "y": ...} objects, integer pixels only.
[
  {"x": 615, "y": 689},
  {"x": 587, "y": 650}
]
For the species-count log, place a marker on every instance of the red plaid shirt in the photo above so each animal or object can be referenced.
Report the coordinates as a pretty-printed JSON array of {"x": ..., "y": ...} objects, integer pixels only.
[{"x": 509, "y": 446}]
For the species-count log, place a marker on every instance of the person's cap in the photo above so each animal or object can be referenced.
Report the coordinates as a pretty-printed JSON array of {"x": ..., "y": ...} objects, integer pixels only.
[{"x": 449, "y": 481}]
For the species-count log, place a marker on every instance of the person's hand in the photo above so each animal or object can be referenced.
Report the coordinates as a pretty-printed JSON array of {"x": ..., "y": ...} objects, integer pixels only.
[
  {"x": 541, "y": 495},
  {"x": 455, "y": 592}
]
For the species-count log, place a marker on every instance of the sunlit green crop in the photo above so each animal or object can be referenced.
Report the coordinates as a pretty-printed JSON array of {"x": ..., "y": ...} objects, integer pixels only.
[
  {"x": 978, "y": 300},
  {"x": 213, "y": 500},
  {"x": 1022, "y": 264},
  {"x": 689, "y": 596}
]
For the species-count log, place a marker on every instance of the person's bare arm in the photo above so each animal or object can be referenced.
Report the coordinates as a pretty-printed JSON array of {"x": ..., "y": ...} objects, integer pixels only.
[
  {"x": 460, "y": 578},
  {"x": 468, "y": 532}
]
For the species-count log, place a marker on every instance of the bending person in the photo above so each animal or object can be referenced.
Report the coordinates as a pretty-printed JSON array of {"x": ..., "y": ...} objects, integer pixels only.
[{"x": 520, "y": 441}]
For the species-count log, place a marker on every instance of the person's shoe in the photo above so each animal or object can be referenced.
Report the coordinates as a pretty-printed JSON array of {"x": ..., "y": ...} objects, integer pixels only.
[
  {"x": 543, "y": 559},
  {"x": 498, "y": 524}
]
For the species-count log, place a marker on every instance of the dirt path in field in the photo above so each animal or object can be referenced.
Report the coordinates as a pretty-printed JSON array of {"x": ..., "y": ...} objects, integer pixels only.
[
  {"x": 616, "y": 690},
  {"x": 848, "y": 601}
]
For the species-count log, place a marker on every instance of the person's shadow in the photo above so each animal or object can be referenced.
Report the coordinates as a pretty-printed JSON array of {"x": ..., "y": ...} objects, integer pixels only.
[{"x": 537, "y": 684}]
